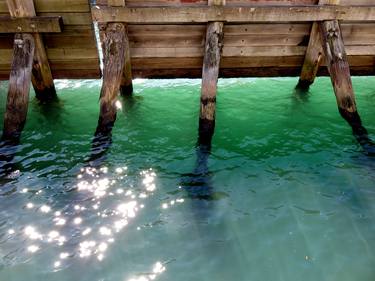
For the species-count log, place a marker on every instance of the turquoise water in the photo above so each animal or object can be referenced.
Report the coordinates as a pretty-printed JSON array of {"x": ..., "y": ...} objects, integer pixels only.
[{"x": 293, "y": 195}]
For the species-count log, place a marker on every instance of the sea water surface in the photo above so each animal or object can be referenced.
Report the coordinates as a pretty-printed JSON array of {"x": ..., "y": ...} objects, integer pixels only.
[{"x": 292, "y": 195}]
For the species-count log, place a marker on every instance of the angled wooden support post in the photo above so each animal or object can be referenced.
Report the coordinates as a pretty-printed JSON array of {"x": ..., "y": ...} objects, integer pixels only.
[
  {"x": 314, "y": 53},
  {"x": 114, "y": 58},
  {"x": 339, "y": 71},
  {"x": 41, "y": 74},
  {"x": 19, "y": 87},
  {"x": 210, "y": 75}
]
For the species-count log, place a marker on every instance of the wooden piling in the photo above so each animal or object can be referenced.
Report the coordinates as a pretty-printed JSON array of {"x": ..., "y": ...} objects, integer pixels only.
[
  {"x": 210, "y": 75},
  {"x": 126, "y": 86},
  {"x": 314, "y": 53},
  {"x": 19, "y": 87},
  {"x": 114, "y": 59},
  {"x": 338, "y": 68},
  {"x": 41, "y": 73},
  {"x": 312, "y": 60}
]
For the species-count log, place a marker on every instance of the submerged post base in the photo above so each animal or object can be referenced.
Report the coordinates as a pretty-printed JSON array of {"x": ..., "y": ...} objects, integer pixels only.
[
  {"x": 126, "y": 90},
  {"x": 303, "y": 85},
  {"x": 46, "y": 95},
  {"x": 206, "y": 132},
  {"x": 359, "y": 131}
]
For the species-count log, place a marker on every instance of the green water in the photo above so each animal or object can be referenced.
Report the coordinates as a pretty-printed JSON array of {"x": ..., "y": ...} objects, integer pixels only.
[{"x": 293, "y": 195}]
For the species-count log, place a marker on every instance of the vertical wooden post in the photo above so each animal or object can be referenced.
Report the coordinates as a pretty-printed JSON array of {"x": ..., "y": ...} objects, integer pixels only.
[
  {"x": 314, "y": 53},
  {"x": 114, "y": 58},
  {"x": 126, "y": 86},
  {"x": 19, "y": 87},
  {"x": 210, "y": 74},
  {"x": 41, "y": 74}
]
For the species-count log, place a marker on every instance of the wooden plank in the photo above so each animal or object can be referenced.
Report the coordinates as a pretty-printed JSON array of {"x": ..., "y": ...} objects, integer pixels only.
[
  {"x": 228, "y": 51},
  {"x": 57, "y": 54},
  {"x": 216, "y": 2},
  {"x": 149, "y": 3},
  {"x": 256, "y": 29},
  {"x": 232, "y": 14},
  {"x": 152, "y": 53},
  {"x": 239, "y": 72},
  {"x": 19, "y": 87},
  {"x": 29, "y": 25},
  {"x": 196, "y": 72},
  {"x": 71, "y": 18},
  {"x": 114, "y": 3},
  {"x": 54, "y": 6}
]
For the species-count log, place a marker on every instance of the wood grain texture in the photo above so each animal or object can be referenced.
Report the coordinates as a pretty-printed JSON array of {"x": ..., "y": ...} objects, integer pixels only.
[
  {"x": 19, "y": 87},
  {"x": 314, "y": 53},
  {"x": 210, "y": 71},
  {"x": 114, "y": 58},
  {"x": 268, "y": 14},
  {"x": 29, "y": 25},
  {"x": 338, "y": 65},
  {"x": 41, "y": 73}
]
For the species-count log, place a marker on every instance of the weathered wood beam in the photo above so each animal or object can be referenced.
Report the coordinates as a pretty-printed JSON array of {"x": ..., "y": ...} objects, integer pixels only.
[
  {"x": 19, "y": 87},
  {"x": 313, "y": 58},
  {"x": 210, "y": 74},
  {"x": 164, "y": 15},
  {"x": 314, "y": 53},
  {"x": 216, "y": 2},
  {"x": 41, "y": 74},
  {"x": 126, "y": 86},
  {"x": 30, "y": 25},
  {"x": 338, "y": 67},
  {"x": 114, "y": 60},
  {"x": 118, "y": 3}
]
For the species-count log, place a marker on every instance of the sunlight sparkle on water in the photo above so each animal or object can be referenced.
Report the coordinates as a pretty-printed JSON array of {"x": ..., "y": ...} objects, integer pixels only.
[
  {"x": 157, "y": 269},
  {"x": 32, "y": 248},
  {"x": 113, "y": 203},
  {"x": 45, "y": 209}
]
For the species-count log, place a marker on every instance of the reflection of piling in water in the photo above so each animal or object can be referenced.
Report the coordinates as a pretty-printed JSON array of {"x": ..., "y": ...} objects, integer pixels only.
[
  {"x": 99, "y": 147},
  {"x": 198, "y": 184},
  {"x": 7, "y": 152}
]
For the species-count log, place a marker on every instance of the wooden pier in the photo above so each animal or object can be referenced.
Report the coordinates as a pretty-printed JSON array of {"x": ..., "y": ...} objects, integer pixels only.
[{"x": 204, "y": 39}]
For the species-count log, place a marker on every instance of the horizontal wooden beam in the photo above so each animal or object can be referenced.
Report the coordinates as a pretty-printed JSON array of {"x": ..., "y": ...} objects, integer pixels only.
[
  {"x": 206, "y": 14},
  {"x": 31, "y": 24}
]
